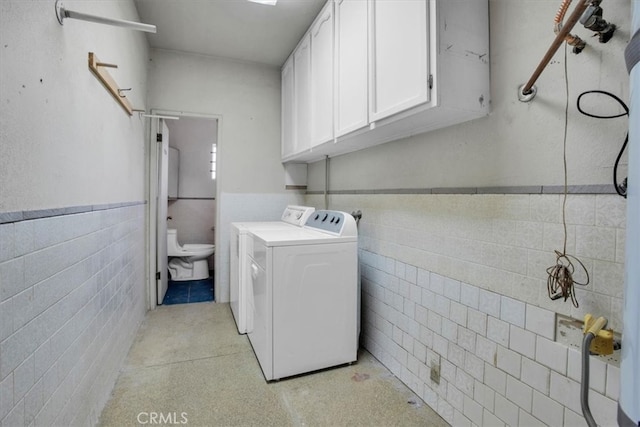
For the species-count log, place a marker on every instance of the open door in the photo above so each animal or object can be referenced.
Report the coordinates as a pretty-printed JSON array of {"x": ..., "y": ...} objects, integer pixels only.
[
  {"x": 158, "y": 191},
  {"x": 161, "y": 216}
]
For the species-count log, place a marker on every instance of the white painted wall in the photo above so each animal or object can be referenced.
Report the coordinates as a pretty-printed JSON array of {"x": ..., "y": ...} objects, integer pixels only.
[
  {"x": 193, "y": 136},
  {"x": 518, "y": 143},
  {"x": 194, "y": 219},
  {"x": 72, "y": 285},
  {"x": 65, "y": 141},
  {"x": 246, "y": 97}
]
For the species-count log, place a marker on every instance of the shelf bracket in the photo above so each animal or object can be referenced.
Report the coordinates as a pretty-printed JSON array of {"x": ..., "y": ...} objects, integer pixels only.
[{"x": 98, "y": 69}]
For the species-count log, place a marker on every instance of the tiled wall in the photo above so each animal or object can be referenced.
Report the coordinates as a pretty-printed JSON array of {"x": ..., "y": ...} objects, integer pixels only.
[
  {"x": 71, "y": 299},
  {"x": 497, "y": 354},
  {"x": 460, "y": 280}
]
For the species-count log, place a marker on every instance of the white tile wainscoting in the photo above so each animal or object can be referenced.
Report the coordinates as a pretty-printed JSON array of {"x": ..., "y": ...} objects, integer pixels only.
[
  {"x": 460, "y": 280},
  {"x": 71, "y": 299},
  {"x": 495, "y": 355}
]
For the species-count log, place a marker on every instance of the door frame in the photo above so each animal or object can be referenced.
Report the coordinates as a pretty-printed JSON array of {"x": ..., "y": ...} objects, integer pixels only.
[
  {"x": 162, "y": 150},
  {"x": 152, "y": 194}
]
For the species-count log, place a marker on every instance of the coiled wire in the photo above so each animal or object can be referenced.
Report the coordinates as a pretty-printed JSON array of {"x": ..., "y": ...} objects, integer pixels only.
[{"x": 560, "y": 280}]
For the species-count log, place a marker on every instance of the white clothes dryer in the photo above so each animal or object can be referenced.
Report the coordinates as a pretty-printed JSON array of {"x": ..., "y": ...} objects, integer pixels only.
[
  {"x": 292, "y": 217},
  {"x": 305, "y": 295}
]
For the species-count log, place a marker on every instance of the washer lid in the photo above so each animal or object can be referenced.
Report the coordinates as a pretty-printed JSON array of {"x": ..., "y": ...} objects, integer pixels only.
[
  {"x": 292, "y": 216},
  {"x": 298, "y": 236},
  {"x": 245, "y": 227}
]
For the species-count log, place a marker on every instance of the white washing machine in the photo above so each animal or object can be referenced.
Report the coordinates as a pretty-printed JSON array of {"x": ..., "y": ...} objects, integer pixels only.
[
  {"x": 304, "y": 288},
  {"x": 292, "y": 217}
]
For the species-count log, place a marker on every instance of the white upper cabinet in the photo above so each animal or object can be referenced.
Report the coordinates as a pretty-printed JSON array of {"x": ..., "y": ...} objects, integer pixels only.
[
  {"x": 288, "y": 106},
  {"x": 322, "y": 77},
  {"x": 384, "y": 70},
  {"x": 351, "y": 66},
  {"x": 399, "y": 72},
  {"x": 302, "y": 94}
]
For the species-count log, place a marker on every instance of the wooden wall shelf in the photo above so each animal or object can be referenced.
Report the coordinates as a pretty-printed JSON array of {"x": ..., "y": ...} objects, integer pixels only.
[{"x": 98, "y": 69}]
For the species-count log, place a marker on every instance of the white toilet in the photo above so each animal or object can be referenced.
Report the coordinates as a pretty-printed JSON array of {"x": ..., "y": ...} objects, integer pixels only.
[{"x": 188, "y": 262}]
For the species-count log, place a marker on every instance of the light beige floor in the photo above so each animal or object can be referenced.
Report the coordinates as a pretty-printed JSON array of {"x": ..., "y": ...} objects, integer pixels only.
[{"x": 189, "y": 364}]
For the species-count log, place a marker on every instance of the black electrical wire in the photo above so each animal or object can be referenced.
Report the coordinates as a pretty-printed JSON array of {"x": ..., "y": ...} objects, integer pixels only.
[{"x": 621, "y": 189}]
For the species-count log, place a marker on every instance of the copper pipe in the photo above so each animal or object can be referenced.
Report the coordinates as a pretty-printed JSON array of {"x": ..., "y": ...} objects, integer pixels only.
[
  {"x": 573, "y": 19},
  {"x": 561, "y": 11},
  {"x": 571, "y": 40}
]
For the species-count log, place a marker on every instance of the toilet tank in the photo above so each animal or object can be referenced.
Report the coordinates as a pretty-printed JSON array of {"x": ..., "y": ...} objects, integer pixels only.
[{"x": 173, "y": 248}]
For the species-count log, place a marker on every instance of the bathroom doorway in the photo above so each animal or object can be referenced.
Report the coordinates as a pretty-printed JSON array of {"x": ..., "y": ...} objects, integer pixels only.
[{"x": 183, "y": 178}]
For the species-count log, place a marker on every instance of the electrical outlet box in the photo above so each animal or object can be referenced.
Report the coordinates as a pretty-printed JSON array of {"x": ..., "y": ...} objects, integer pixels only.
[
  {"x": 435, "y": 372},
  {"x": 569, "y": 331}
]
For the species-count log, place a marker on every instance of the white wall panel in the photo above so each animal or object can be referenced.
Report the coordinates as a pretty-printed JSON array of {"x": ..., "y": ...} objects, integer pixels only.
[{"x": 65, "y": 141}]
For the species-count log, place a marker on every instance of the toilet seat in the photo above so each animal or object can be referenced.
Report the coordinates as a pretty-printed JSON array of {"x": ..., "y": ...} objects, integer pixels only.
[{"x": 195, "y": 249}]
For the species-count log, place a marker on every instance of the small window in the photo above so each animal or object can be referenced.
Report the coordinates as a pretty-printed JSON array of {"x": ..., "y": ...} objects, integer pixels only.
[{"x": 213, "y": 160}]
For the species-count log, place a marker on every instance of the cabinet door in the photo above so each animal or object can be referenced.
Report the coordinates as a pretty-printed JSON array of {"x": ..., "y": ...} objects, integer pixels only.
[
  {"x": 302, "y": 94},
  {"x": 399, "y": 55},
  {"x": 288, "y": 106},
  {"x": 322, "y": 76},
  {"x": 351, "y": 45}
]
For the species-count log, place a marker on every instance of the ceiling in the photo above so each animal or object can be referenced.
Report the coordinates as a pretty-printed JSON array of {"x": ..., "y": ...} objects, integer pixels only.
[{"x": 236, "y": 29}]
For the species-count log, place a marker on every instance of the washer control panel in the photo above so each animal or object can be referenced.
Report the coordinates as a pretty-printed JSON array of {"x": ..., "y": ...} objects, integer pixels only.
[
  {"x": 334, "y": 222},
  {"x": 297, "y": 215}
]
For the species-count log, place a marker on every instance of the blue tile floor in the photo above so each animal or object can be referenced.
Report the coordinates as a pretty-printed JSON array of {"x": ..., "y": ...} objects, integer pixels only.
[{"x": 185, "y": 292}]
